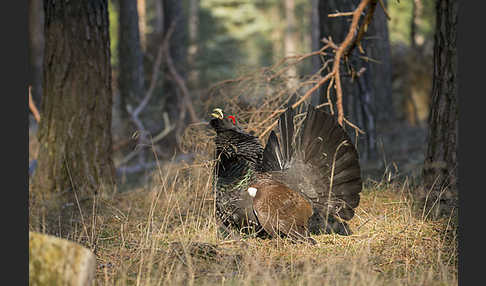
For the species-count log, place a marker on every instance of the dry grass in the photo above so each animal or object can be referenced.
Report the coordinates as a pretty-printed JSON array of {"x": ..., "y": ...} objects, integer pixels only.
[{"x": 165, "y": 234}]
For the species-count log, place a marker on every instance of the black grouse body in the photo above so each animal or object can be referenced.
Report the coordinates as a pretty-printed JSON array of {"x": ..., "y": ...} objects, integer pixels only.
[{"x": 304, "y": 181}]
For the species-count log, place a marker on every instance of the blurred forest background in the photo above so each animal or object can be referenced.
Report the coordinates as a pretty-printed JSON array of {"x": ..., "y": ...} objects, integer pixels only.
[{"x": 210, "y": 41}]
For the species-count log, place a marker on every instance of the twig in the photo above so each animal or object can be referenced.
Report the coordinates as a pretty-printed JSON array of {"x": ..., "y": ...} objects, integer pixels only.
[
  {"x": 364, "y": 27},
  {"x": 134, "y": 113},
  {"x": 340, "y": 14},
  {"x": 306, "y": 95},
  {"x": 328, "y": 95},
  {"x": 160, "y": 136},
  {"x": 32, "y": 106},
  {"x": 168, "y": 128},
  {"x": 384, "y": 9},
  {"x": 315, "y": 87},
  {"x": 354, "y": 126}
]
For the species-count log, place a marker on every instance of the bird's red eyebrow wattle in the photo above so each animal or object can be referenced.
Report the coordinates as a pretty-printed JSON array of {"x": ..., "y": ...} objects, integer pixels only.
[{"x": 232, "y": 118}]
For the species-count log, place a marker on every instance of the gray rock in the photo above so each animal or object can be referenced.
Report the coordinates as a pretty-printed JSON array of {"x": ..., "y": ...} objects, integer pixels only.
[{"x": 57, "y": 261}]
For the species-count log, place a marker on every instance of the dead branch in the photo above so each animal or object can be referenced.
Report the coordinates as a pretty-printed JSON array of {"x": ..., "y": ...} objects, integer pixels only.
[
  {"x": 168, "y": 127},
  {"x": 384, "y": 9},
  {"x": 314, "y": 88},
  {"x": 142, "y": 137},
  {"x": 267, "y": 112},
  {"x": 340, "y": 52},
  {"x": 155, "y": 70},
  {"x": 363, "y": 27},
  {"x": 340, "y": 14},
  {"x": 186, "y": 97},
  {"x": 351, "y": 40},
  {"x": 32, "y": 106}
]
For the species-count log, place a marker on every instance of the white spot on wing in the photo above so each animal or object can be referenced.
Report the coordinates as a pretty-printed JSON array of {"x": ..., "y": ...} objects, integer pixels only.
[{"x": 252, "y": 191}]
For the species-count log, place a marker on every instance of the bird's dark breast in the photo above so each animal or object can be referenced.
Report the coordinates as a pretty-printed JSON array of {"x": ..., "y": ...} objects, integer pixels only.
[{"x": 234, "y": 205}]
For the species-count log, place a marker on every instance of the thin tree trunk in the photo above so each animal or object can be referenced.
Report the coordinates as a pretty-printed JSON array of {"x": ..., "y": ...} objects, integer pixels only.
[
  {"x": 174, "y": 103},
  {"x": 290, "y": 38},
  {"x": 131, "y": 85},
  {"x": 142, "y": 23},
  {"x": 277, "y": 33},
  {"x": 193, "y": 28},
  {"x": 378, "y": 48},
  {"x": 74, "y": 134},
  {"x": 440, "y": 166},
  {"x": 315, "y": 45},
  {"x": 417, "y": 8}
]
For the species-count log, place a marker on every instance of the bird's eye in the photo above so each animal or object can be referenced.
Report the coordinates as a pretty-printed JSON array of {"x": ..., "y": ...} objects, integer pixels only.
[{"x": 233, "y": 119}]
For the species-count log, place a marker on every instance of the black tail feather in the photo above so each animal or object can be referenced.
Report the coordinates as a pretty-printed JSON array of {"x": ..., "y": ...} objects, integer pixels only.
[
  {"x": 286, "y": 127},
  {"x": 272, "y": 156}
]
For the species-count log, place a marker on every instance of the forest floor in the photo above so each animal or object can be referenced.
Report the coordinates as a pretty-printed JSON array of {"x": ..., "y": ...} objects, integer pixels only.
[{"x": 163, "y": 232}]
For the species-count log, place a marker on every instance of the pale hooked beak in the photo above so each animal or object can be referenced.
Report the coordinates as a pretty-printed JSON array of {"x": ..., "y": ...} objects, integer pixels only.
[{"x": 217, "y": 113}]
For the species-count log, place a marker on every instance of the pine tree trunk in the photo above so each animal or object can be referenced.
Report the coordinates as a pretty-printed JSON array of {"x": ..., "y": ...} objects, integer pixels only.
[
  {"x": 131, "y": 85},
  {"x": 174, "y": 104},
  {"x": 315, "y": 46},
  {"x": 74, "y": 134},
  {"x": 378, "y": 48},
  {"x": 366, "y": 99},
  {"x": 192, "y": 52},
  {"x": 440, "y": 166}
]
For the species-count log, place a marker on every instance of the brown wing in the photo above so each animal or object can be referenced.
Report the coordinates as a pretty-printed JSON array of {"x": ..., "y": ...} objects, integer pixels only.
[{"x": 281, "y": 210}]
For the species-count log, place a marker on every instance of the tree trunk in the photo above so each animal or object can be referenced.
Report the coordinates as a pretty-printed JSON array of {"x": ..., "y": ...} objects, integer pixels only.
[
  {"x": 440, "y": 166},
  {"x": 290, "y": 40},
  {"x": 142, "y": 23},
  {"x": 193, "y": 28},
  {"x": 378, "y": 48},
  {"x": 36, "y": 45},
  {"x": 174, "y": 103},
  {"x": 366, "y": 96},
  {"x": 74, "y": 133},
  {"x": 167, "y": 96},
  {"x": 131, "y": 85},
  {"x": 315, "y": 46}
]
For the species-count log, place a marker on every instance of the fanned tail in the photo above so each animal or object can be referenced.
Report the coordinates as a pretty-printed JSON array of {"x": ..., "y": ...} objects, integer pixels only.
[
  {"x": 326, "y": 146},
  {"x": 320, "y": 161}
]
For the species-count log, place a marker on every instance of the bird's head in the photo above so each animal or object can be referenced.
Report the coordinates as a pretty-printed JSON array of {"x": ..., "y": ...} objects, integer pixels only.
[
  {"x": 232, "y": 140},
  {"x": 220, "y": 122}
]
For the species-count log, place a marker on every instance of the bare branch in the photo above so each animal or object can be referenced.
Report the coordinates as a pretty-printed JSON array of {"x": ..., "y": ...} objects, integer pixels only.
[
  {"x": 340, "y": 52},
  {"x": 186, "y": 97},
  {"x": 155, "y": 71}
]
